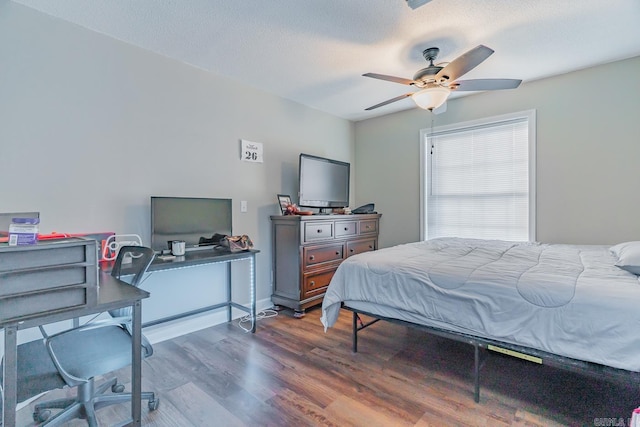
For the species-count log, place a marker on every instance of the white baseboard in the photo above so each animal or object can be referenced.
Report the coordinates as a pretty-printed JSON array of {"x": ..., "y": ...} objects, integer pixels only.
[{"x": 176, "y": 328}]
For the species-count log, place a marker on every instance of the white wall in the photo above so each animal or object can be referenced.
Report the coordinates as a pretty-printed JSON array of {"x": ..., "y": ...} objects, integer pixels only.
[
  {"x": 588, "y": 155},
  {"x": 91, "y": 127}
]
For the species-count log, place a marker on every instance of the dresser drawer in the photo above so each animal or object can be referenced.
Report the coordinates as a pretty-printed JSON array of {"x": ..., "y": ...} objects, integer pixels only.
[
  {"x": 367, "y": 227},
  {"x": 346, "y": 228},
  {"x": 316, "y": 283},
  {"x": 50, "y": 275},
  {"x": 315, "y": 255},
  {"x": 317, "y": 231},
  {"x": 359, "y": 246}
]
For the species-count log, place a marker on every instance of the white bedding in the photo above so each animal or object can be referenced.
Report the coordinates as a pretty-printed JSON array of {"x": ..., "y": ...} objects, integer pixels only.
[{"x": 563, "y": 299}]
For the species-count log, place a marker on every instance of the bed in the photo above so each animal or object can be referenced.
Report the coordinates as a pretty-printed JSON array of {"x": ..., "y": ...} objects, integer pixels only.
[{"x": 570, "y": 306}]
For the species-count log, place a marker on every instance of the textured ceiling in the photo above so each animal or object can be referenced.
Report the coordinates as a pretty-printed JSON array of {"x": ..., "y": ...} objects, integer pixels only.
[{"x": 315, "y": 51}]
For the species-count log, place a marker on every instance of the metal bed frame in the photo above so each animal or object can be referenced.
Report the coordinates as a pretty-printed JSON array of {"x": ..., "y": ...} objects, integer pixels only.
[{"x": 594, "y": 370}]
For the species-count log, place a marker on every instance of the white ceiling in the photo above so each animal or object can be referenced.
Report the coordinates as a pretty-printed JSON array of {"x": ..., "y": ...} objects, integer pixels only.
[{"x": 315, "y": 51}]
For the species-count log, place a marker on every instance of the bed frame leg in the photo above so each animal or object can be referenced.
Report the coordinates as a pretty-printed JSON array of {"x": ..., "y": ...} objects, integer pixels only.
[
  {"x": 476, "y": 380},
  {"x": 354, "y": 345}
]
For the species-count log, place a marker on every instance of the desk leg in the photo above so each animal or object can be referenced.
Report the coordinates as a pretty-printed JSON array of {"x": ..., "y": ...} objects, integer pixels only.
[
  {"x": 136, "y": 364},
  {"x": 10, "y": 377},
  {"x": 252, "y": 263},
  {"x": 229, "y": 296}
]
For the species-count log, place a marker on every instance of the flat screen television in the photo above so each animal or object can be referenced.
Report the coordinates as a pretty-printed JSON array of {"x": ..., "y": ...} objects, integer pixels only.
[
  {"x": 188, "y": 219},
  {"x": 324, "y": 183}
]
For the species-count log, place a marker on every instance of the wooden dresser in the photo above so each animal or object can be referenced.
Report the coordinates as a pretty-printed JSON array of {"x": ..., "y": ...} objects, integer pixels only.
[{"x": 307, "y": 250}]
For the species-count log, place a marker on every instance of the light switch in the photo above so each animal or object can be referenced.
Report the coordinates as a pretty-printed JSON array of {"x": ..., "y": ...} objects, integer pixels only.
[{"x": 243, "y": 206}]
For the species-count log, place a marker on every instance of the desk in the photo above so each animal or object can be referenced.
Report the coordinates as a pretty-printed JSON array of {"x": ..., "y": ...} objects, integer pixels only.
[
  {"x": 112, "y": 294},
  {"x": 211, "y": 256}
]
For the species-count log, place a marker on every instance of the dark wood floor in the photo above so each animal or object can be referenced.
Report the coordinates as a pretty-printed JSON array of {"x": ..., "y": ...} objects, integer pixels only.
[{"x": 292, "y": 373}]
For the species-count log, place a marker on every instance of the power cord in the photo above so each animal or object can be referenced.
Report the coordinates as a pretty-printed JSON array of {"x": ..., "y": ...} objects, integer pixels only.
[{"x": 263, "y": 314}]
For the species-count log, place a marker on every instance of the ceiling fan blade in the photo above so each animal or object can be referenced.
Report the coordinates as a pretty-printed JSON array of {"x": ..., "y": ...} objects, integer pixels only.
[
  {"x": 464, "y": 63},
  {"x": 390, "y": 78},
  {"x": 485, "y": 84},
  {"x": 389, "y": 101}
]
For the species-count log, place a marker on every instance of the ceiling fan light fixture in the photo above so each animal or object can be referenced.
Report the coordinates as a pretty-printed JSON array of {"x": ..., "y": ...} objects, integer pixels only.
[
  {"x": 431, "y": 97},
  {"x": 414, "y": 4}
]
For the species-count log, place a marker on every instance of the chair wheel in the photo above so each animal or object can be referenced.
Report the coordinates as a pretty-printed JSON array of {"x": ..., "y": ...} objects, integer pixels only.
[
  {"x": 41, "y": 416},
  {"x": 153, "y": 404},
  {"x": 117, "y": 388}
]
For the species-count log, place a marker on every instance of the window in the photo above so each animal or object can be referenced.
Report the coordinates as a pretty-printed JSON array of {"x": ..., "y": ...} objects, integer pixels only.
[{"x": 478, "y": 179}]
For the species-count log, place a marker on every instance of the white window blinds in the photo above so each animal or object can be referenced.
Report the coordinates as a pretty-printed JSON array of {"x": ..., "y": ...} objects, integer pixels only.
[{"x": 477, "y": 181}]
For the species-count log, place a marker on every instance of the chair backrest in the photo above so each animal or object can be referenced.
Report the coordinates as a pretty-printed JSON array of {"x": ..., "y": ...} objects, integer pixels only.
[{"x": 131, "y": 260}]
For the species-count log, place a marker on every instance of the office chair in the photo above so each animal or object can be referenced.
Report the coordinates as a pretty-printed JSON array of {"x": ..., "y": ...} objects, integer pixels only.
[
  {"x": 96, "y": 348},
  {"x": 36, "y": 372}
]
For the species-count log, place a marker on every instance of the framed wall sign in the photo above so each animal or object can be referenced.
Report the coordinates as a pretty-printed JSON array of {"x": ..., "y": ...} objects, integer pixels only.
[{"x": 251, "y": 151}]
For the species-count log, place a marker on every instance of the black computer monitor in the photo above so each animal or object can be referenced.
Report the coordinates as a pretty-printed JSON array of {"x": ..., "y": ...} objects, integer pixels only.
[{"x": 188, "y": 219}]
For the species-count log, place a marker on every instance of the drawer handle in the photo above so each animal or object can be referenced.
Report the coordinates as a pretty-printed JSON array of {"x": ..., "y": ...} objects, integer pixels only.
[
  {"x": 311, "y": 258},
  {"x": 346, "y": 229},
  {"x": 351, "y": 250},
  {"x": 370, "y": 247},
  {"x": 337, "y": 252},
  {"x": 312, "y": 283},
  {"x": 367, "y": 227}
]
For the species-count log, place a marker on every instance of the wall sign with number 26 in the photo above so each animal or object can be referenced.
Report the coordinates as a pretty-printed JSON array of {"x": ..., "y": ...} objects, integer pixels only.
[{"x": 251, "y": 151}]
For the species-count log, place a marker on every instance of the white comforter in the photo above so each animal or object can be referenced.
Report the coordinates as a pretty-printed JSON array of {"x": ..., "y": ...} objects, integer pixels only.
[{"x": 563, "y": 299}]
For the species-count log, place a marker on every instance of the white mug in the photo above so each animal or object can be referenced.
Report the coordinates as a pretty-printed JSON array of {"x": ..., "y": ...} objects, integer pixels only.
[{"x": 178, "y": 247}]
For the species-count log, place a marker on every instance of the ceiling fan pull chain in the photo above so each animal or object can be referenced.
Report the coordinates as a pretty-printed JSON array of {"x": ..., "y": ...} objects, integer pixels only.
[{"x": 432, "y": 143}]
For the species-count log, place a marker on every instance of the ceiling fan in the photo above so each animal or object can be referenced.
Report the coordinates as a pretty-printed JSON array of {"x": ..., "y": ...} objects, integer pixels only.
[{"x": 436, "y": 82}]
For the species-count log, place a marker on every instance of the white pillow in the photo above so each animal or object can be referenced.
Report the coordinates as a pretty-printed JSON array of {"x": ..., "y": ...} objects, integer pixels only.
[{"x": 628, "y": 255}]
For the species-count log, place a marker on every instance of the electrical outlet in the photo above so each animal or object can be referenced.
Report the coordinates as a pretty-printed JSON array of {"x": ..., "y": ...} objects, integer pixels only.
[{"x": 243, "y": 206}]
